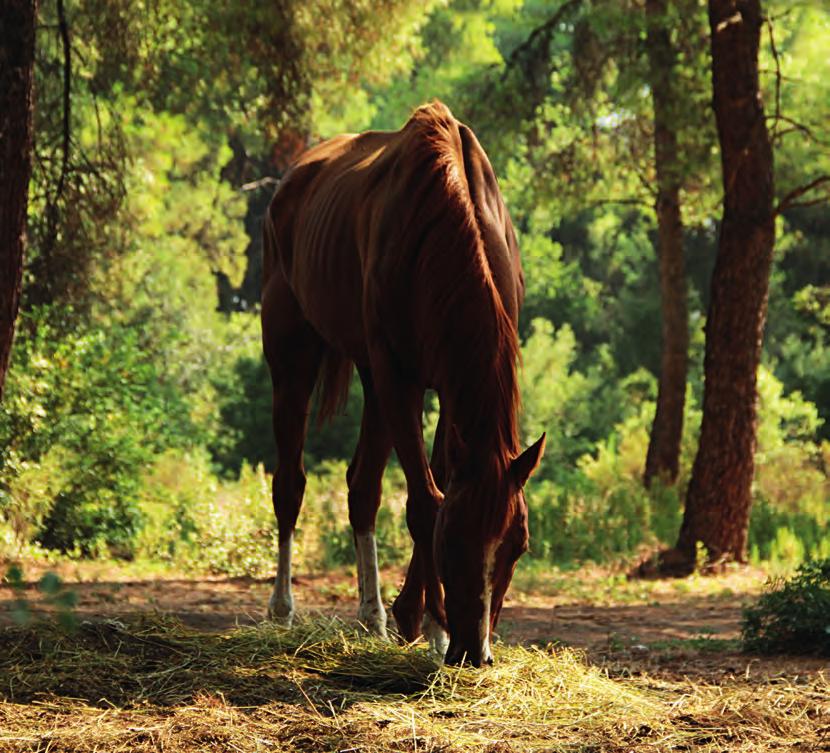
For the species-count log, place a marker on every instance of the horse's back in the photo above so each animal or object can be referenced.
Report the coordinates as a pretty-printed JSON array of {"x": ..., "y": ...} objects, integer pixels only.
[
  {"x": 311, "y": 254},
  {"x": 376, "y": 225}
]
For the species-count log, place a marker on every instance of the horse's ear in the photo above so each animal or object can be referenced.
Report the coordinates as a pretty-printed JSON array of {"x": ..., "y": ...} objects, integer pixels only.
[
  {"x": 456, "y": 449},
  {"x": 528, "y": 461}
]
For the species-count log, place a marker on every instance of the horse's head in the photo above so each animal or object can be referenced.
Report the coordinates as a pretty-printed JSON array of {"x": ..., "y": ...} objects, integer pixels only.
[{"x": 480, "y": 534}]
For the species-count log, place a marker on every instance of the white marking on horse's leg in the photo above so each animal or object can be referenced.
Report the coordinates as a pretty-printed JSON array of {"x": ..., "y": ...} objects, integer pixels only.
[
  {"x": 370, "y": 612},
  {"x": 281, "y": 605},
  {"x": 437, "y": 637},
  {"x": 486, "y": 600}
]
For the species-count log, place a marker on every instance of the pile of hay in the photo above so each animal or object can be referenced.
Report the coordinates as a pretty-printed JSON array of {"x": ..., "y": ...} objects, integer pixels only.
[{"x": 154, "y": 685}]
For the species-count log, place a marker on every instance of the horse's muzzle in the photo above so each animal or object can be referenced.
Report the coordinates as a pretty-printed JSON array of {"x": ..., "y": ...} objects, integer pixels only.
[{"x": 458, "y": 655}]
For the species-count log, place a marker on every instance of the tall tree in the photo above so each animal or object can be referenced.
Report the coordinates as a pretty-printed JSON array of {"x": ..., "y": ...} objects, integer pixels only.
[
  {"x": 719, "y": 496},
  {"x": 17, "y": 50},
  {"x": 663, "y": 457}
]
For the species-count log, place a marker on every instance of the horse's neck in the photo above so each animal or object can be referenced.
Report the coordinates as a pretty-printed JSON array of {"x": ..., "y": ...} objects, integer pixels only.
[{"x": 482, "y": 406}]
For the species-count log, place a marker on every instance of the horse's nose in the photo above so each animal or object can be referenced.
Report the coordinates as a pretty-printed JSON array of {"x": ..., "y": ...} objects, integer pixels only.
[{"x": 456, "y": 655}]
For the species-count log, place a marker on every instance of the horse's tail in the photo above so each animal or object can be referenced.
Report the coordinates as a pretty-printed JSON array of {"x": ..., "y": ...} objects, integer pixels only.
[{"x": 333, "y": 382}]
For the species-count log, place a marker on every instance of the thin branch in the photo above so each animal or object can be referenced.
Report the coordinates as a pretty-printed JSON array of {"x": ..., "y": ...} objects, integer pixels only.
[
  {"x": 261, "y": 183},
  {"x": 789, "y": 201},
  {"x": 811, "y": 203},
  {"x": 777, "y": 60},
  {"x": 621, "y": 202},
  {"x": 785, "y": 79},
  {"x": 785, "y": 13},
  {"x": 645, "y": 179},
  {"x": 797, "y": 127},
  {"x": 67, "y": 81},
  {"x": 544, "y": 30}
]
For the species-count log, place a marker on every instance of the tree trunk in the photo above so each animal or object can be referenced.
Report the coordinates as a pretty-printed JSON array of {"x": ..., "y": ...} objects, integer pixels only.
[
  {"x": 662, "y": 460},
  {"x": 17, "y": 49},
  {"x": 719, "y": 496}
]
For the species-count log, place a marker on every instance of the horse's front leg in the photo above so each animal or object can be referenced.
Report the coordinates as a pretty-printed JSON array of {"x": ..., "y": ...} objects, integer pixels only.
[
  {"x": 409, "y": 609},
  {"x": 401, "y": 403},
  {"x": 421, "y": 513},
  {"x": 409, "y": 606}
]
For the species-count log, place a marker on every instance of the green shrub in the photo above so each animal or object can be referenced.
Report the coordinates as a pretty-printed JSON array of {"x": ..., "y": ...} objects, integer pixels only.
[
  {"x": 784, "y": 538},
  {"x": 324, "y": 536},
  {"x": 82, "y": 415},
  {"x": 199, "y": 522},
  {"x": 790, "y": 520},
  {"x": 793, "y": 616}
]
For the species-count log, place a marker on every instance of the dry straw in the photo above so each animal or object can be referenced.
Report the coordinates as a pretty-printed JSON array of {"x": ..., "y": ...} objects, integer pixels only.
[{"x": 154, "y": 685}]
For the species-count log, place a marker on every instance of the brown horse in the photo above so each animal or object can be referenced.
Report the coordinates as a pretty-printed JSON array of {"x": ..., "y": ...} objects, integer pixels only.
[{"x": 394, "y": 251}]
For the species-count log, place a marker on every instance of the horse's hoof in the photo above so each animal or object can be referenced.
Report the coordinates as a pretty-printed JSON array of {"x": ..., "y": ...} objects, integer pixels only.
[
  {"x": 437, "y": 637},
  {"x": 281, "y": 612}
]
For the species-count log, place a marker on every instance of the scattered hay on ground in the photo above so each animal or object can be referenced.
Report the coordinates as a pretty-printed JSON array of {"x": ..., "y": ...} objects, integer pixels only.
[{"x": 153, "y": 685}]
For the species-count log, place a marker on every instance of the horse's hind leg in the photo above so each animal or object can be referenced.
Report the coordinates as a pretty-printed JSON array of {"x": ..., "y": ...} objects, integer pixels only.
[
  {"x": 364, "y": 478},
  {"x": 294, "y": 361}
]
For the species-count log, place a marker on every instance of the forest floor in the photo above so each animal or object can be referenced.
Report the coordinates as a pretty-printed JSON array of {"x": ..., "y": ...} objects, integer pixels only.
[{"x": 672, "y": 643}]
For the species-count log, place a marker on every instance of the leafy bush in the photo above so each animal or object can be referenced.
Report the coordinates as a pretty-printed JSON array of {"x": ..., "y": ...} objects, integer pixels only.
[
  {"x": 199, "y": 522},
  {"x": 790, "y": 520},
  {"x": 597, "y": 509},
  {"x": 793, "y": 616},
  {"x": 82, "y": 415},
  {"x": 575, "y": 407}
]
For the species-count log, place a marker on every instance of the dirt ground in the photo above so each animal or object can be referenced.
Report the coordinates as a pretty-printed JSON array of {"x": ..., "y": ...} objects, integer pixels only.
[{"x": 686, "y": 628}]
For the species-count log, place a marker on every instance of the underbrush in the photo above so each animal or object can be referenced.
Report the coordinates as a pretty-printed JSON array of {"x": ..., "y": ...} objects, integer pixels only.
[
  {"x": 598, "y": 510},
  {"x": 197, "y": 522},
  {"x": 792, "y": 616},
  {"x": 152, "y": 684},
  {"x": 91, "y": 471}
]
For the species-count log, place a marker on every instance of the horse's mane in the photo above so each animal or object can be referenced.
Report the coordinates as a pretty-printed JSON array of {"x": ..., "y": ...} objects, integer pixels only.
[{"x": 476, "y": 337}]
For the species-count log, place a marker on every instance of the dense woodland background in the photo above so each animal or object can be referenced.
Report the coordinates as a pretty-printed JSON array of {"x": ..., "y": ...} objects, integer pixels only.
[{"x": 136, "y": 415}]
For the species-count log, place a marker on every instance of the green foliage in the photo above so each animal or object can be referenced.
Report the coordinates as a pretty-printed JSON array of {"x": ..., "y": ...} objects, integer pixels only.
[
  {"x": 599, "y": 511},
  {"x": 137, "y": 419},
  {"x": 198, "y": 522},
  {"x": 793, "y": 616},
  {"x": 602, "y": 512},
  {"x": 81, "y": 416},
  {"x": 557, "y": 398},
  {"x": 790, "y": 520}
]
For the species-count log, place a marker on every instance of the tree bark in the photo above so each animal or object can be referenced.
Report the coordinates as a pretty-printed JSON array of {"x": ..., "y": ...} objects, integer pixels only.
[
  {"x": 719, "y": 495},
  {"x": 663, "y": 458},
  {"x": 17, "y": 48}
]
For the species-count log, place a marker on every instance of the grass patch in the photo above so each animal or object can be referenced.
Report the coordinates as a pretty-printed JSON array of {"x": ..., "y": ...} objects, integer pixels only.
[{"x": 151, "y": 684}]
